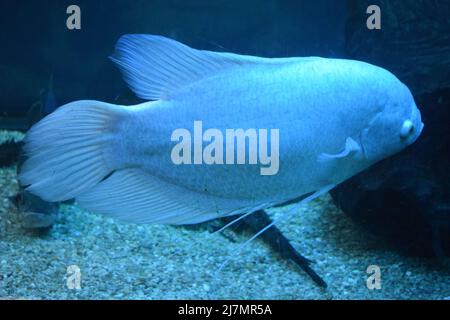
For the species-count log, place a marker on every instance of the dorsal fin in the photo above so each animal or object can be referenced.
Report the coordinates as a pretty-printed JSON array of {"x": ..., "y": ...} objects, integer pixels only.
[{"x": 154, "y": 66}]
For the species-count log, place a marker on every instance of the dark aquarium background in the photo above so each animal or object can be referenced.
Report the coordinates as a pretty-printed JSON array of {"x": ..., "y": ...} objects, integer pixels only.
[
  {"x": 399, "y": 208},
  {"x": 40, "y": 47}
]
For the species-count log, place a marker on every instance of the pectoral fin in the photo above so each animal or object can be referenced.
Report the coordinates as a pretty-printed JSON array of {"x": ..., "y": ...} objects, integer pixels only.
[{"x": 351, "y": 147}]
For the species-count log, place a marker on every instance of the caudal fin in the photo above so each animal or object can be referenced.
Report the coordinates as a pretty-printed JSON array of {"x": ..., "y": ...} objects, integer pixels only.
[{"x": 71, "y": 150}]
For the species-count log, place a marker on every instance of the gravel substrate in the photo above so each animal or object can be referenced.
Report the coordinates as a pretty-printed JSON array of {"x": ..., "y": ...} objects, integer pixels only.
[{"x": 126, "y": 261}]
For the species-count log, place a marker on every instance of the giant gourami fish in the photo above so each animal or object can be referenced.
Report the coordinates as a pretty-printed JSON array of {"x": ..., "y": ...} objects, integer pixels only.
[{"x": 334, "y": 117}]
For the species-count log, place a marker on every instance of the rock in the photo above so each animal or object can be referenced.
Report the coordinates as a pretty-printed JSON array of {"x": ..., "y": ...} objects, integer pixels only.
[
  {"x": 36, "y": 220},
  {"x": 36, "y": 214},
  {"x": 9, "y": 152},
  {"x": 413, "y": 43}
]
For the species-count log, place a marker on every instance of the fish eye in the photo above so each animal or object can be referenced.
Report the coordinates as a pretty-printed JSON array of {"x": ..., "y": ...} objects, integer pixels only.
[{"x": 407, "y": 129}]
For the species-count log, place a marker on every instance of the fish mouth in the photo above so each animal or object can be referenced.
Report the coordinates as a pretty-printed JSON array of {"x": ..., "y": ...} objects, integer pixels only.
[
  {"x": 419, "y": 132},
  {"x": 416, "y": 118},
  {"x": 422, "y": 126}
]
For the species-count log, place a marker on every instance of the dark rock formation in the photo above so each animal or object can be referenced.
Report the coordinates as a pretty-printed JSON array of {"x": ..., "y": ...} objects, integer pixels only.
[
  {"x": 413, "y": 43},
  {"x": 9, "y": 153}
]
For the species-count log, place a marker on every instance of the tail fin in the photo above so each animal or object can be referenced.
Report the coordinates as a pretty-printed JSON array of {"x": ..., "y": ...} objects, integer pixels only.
[{"x": 71, "y": 150}]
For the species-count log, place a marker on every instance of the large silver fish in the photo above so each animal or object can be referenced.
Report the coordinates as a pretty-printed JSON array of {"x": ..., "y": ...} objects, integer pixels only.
[{"x": 335, "y": 118}]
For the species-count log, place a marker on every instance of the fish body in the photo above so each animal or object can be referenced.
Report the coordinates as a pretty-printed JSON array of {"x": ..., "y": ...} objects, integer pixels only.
[
  {"x": 289, "y": 97},
  {"x": 334, "y": 119}
]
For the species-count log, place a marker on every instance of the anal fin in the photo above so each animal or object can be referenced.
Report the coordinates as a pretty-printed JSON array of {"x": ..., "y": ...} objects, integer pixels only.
[{"x": 133, "y": 195}]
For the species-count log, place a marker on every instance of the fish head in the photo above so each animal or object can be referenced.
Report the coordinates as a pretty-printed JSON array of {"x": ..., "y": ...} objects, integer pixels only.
[{"x": 396, "y": 126}]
